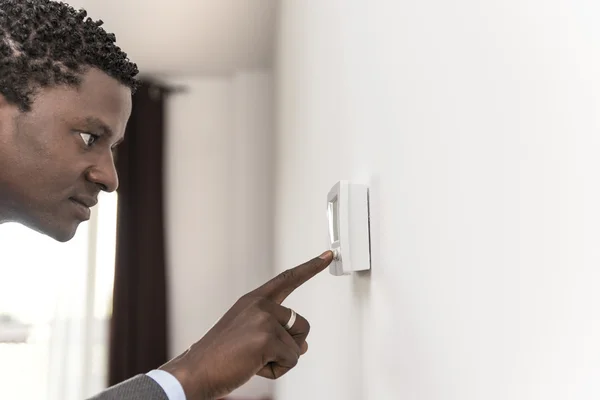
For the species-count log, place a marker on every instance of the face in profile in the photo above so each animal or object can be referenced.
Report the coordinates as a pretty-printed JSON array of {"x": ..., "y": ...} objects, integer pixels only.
[{"x": 56, "y": 158}]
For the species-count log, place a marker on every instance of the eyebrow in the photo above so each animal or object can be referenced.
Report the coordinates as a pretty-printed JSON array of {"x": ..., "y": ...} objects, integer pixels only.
[{"x": 99, "y": 124}]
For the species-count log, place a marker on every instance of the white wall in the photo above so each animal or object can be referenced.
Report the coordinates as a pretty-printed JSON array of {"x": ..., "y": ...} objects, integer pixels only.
[
  {"x": 218, "y": 210},
  {"x": 476, "y": 123}
]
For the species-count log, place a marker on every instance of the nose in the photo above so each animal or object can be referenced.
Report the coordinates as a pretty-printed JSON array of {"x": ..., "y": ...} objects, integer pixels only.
[{"x": 104, "y": 173}]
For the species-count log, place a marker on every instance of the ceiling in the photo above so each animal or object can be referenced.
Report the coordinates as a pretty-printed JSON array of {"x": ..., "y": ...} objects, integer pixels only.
[{"x": 190, "y": 37}]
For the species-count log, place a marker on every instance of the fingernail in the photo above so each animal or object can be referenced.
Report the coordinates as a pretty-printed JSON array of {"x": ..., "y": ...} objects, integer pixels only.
[{"x": 326, "y": 255}]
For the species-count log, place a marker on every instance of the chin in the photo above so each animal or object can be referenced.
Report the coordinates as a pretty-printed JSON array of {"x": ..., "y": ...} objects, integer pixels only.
[
  {"x": 64, "y": 233},
  {"x": 52, "y": 223},
  {"x": 60, "y": 232},
  {"x": 62, "y": 236}
]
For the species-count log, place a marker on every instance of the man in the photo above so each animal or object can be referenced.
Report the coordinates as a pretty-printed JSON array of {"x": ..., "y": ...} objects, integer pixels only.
[{"x": 65, "y": 99}]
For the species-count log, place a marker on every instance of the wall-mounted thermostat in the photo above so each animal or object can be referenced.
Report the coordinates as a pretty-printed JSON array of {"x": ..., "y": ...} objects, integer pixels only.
[{"x": 348, "y": 216}]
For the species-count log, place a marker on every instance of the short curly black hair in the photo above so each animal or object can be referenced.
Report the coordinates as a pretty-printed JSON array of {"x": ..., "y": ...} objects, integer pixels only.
[{"x": 46, "y": 43}]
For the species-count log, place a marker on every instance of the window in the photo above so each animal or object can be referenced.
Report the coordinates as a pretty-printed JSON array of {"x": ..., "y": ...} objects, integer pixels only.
[{"x": 54, "y": 308}]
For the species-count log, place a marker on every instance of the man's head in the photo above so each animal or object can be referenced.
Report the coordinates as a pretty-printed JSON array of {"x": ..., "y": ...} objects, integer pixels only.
[{"x": 65, "y": 99}]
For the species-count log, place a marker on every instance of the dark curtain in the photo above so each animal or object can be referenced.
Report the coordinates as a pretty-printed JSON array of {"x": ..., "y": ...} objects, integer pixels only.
[{"x": 138, "y": 331}]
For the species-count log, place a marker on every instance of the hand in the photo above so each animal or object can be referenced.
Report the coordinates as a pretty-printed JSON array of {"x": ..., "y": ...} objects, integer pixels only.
[{"x": 250, "y": 339}]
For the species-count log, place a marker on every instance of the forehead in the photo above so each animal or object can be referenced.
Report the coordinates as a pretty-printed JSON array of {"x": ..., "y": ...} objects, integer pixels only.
[{"x": 99, "y": 97}]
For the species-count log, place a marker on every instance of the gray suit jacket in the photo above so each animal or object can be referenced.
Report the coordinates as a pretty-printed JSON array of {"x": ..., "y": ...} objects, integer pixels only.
[{"x": 140, "y": 387}]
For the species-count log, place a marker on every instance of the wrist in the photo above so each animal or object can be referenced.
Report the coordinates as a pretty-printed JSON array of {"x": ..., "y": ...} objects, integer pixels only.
[{"x": 193, "y": 386}]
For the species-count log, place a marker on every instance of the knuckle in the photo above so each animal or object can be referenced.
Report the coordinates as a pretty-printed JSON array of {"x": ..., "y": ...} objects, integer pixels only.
[
  {"x": 263, "y": 318},
  {"x": 263, "y": 339},
  {"x": 262, "y": 303},
  {"x": 248, "y": 298},
  {"x": 288, "y": 274},
  {"x": 250, "y": 302},
  {"x": 243, "y": 301},
  {"x": 266, "y": 321}
]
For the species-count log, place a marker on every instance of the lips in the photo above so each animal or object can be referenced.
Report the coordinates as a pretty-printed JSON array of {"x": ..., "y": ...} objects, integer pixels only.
[
  {"x": 88, "y": 202},
  {"x": 83, "y": 205}
]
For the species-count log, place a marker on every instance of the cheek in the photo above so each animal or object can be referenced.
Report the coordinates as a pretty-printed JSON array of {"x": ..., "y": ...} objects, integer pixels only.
[
  {"x": 48, "y": 162},
  {"x": 50, "y": 174}
]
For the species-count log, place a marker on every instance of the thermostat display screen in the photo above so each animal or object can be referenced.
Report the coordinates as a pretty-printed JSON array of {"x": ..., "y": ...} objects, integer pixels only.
[{"x": 334, "y": 220}]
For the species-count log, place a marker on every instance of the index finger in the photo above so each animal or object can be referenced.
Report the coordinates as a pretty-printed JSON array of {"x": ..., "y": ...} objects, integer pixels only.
[{"x": 280, "y": 287}]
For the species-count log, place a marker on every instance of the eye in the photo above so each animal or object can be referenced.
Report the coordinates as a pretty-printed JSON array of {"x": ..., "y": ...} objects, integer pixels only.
[{"x": 88, "y": 138}]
